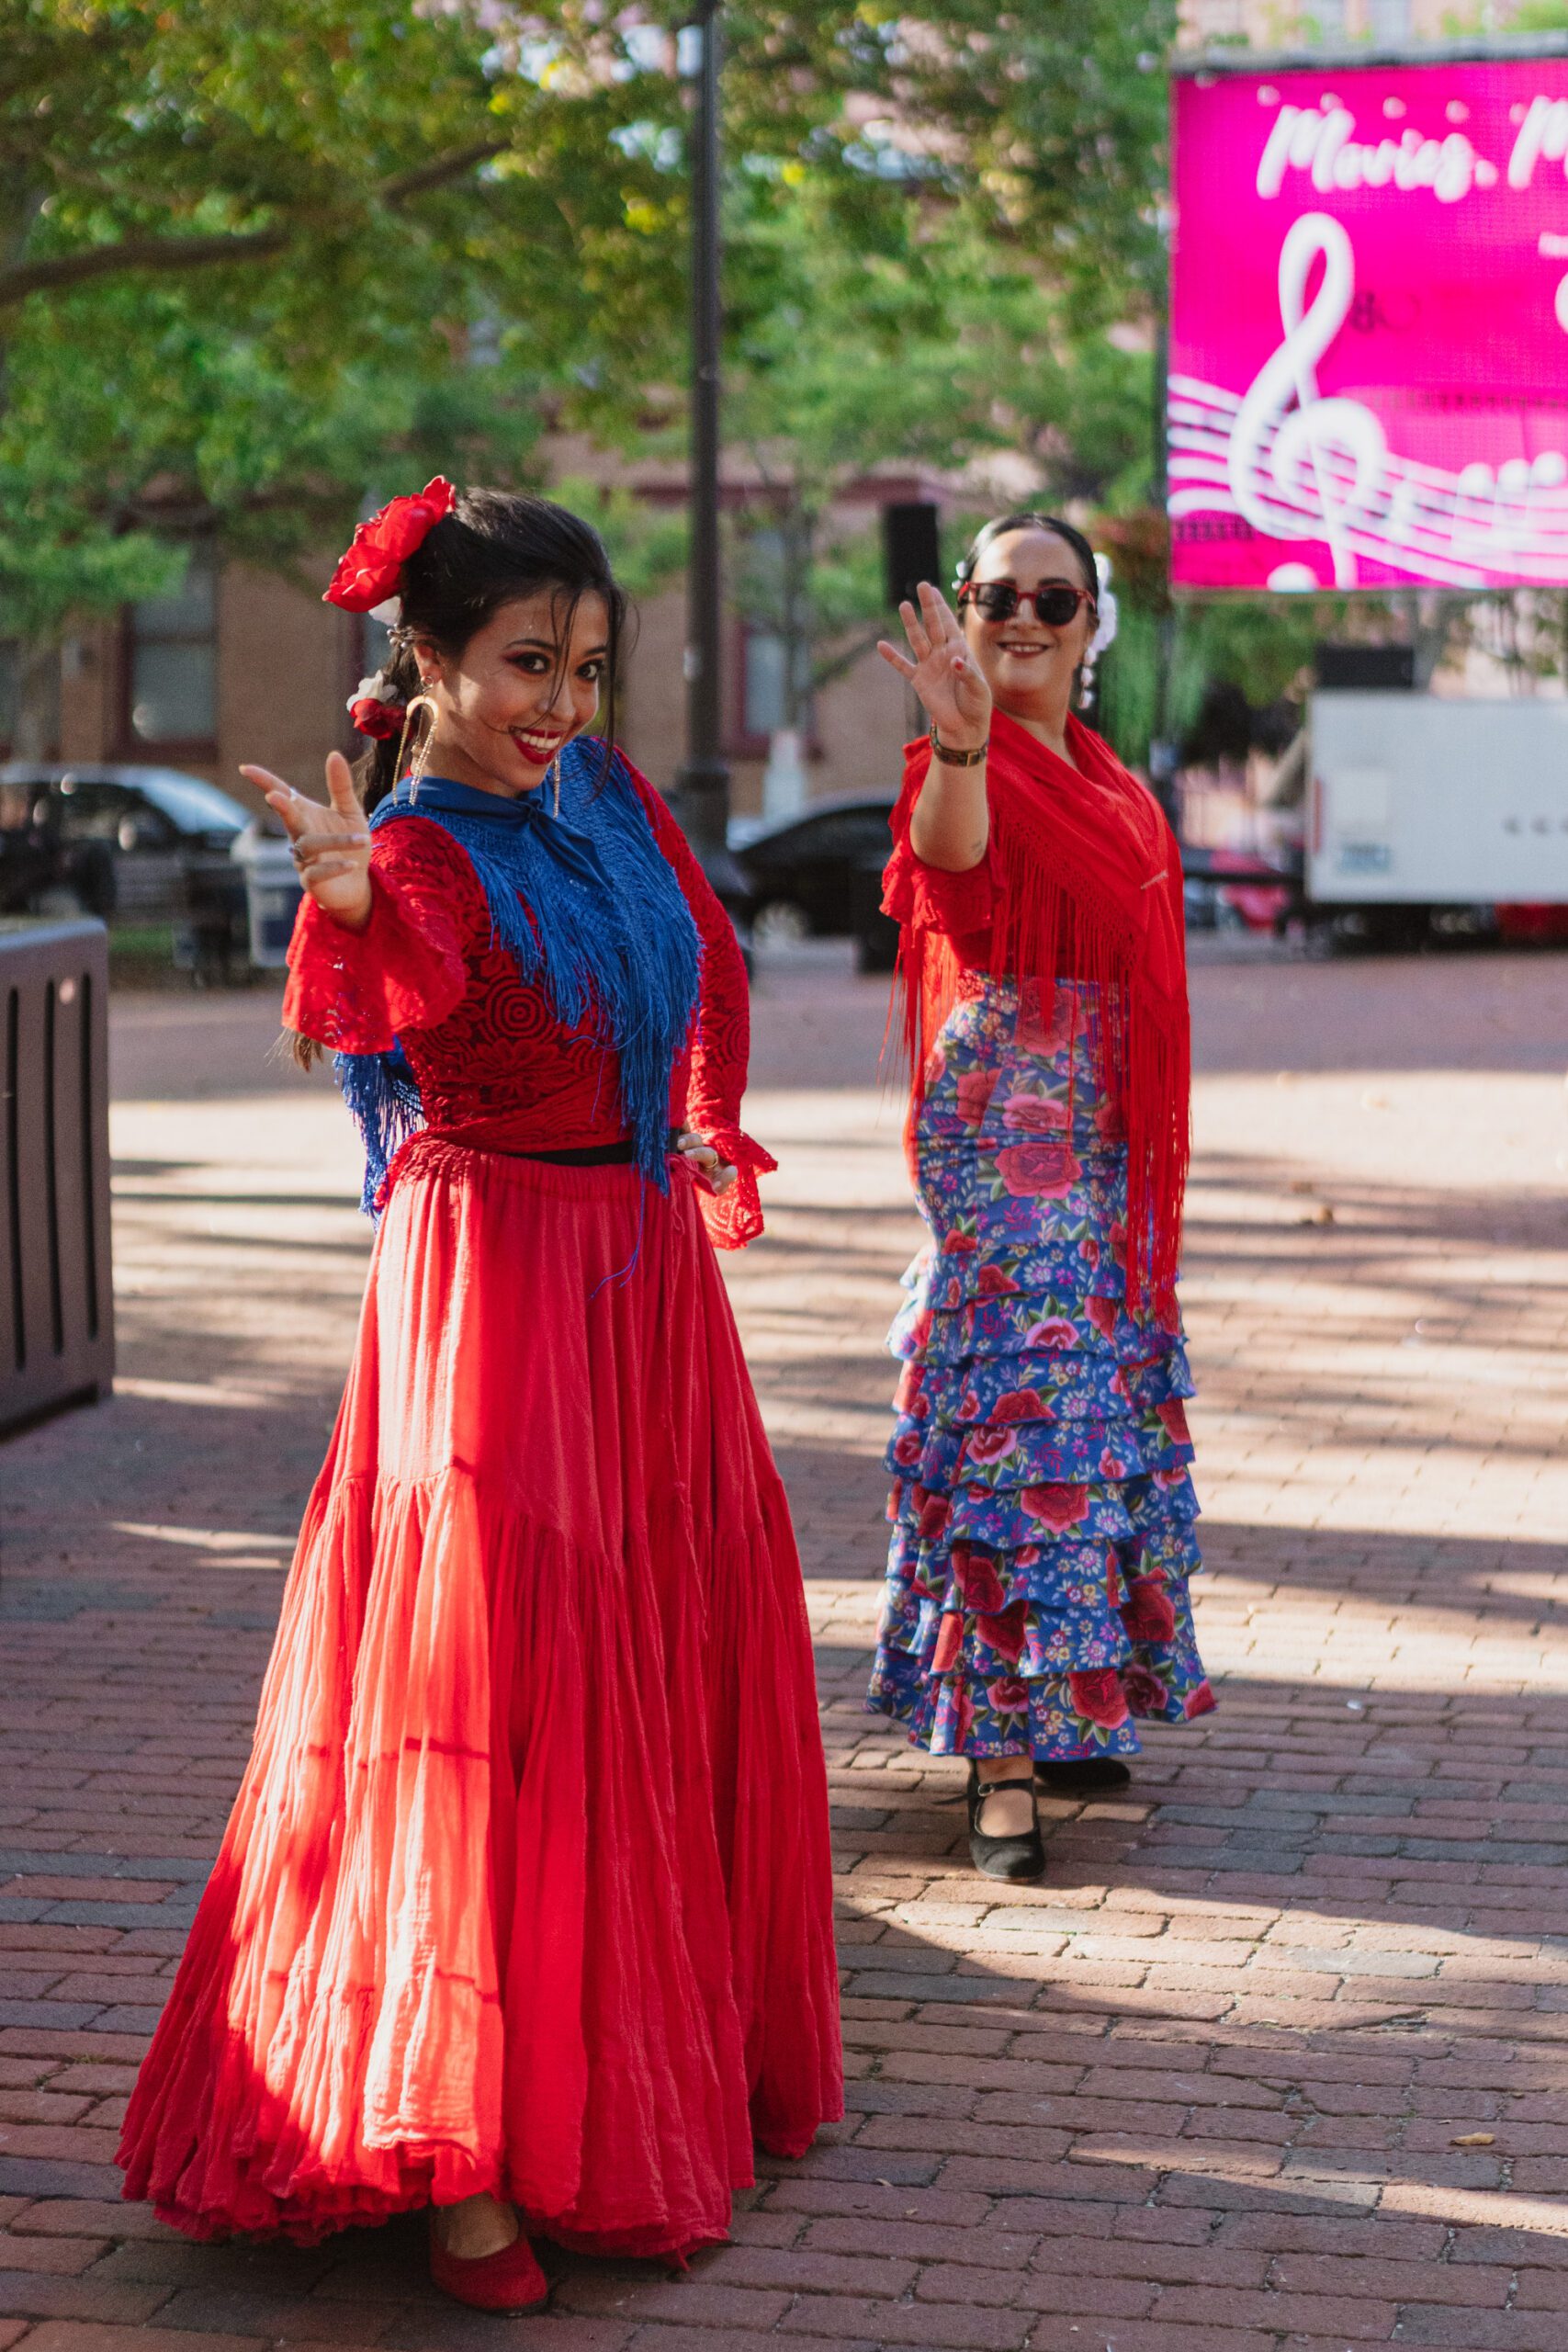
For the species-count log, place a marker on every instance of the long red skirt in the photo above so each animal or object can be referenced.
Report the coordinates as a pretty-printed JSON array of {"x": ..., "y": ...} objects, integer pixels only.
[{"x": 526, "y": 1887}]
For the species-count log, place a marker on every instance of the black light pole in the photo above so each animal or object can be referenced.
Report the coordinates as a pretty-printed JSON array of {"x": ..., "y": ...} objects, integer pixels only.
[
  {"x": 702, "y": 785},
  {"x": 1163, "y": 751}
]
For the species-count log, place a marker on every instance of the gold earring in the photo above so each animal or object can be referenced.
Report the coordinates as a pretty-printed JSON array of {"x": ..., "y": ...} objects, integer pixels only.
[{"x": 422, "y": 757}]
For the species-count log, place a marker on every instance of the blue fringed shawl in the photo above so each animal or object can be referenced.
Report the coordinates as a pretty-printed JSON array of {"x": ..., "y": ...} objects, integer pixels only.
[{"x": 590, "y": 909}]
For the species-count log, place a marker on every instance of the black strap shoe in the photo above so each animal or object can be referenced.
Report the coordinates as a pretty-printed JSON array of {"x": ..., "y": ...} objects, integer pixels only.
[
  {"x": 1080, "y": 1775},
  {"x": 1008, "y": 1858}
]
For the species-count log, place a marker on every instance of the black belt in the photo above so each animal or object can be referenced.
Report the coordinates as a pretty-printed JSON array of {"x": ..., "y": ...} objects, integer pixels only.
[{"x": 596, "y": 1155}]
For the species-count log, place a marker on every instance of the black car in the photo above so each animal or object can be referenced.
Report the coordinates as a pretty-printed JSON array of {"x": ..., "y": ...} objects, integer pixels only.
[
  {"x": 142, "y": 845},
  {"x": 819, "y": 876}
]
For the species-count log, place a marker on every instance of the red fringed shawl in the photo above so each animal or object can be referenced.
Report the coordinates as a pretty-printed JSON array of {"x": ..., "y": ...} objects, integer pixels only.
[{"x": 1087, "y": 881}]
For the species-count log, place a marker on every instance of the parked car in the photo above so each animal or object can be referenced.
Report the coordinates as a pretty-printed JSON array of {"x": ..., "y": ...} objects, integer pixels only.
[
  {"x": 145, "y": 844},
  {"x": 1227, "y": 889},
  {"x": 818, "y": 876}
]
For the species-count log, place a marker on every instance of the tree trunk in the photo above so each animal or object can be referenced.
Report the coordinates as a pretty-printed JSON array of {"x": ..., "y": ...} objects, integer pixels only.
[{"x": 796, "y": 630}]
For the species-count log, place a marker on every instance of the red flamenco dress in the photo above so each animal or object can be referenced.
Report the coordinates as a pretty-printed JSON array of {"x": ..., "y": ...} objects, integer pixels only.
[{"x": 526, "y": 1887}]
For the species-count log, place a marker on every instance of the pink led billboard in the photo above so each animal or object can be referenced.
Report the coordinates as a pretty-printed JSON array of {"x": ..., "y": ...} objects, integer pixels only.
[{"x": 1369, "y": 350}]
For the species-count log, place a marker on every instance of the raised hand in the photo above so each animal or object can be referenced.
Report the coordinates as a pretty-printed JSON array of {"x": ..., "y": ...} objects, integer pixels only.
[
  {"x": 957, "y": 699},
  {"x": 331, "y": 847}
]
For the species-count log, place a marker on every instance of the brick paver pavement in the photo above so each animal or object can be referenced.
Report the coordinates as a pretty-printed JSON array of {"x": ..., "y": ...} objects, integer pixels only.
[{"x": 1276, "y": 2057}]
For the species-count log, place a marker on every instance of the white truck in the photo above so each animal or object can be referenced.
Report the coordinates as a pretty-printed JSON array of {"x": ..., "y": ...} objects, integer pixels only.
[{"x": 1423, "y": 811}]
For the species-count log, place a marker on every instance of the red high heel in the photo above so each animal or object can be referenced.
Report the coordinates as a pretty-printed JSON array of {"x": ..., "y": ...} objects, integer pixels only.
[{"x": 508, "y": 2281}]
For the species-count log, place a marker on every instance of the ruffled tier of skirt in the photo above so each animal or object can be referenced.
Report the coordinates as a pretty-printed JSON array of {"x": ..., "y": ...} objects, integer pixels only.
[
  {"x": 1041, "y": 1506},
  {"x": 526, "y": 1889}
]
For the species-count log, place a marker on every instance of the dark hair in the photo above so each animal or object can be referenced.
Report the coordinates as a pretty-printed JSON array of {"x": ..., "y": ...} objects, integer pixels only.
[
  {"x": 998, "y": 529},
  {"x": 495, "y": 546}
]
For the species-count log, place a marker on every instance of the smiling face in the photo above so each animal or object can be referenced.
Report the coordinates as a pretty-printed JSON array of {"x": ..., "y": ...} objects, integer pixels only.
[
  {"x": 1028, "y": 665},
  {"x": 520, "y": 688}
]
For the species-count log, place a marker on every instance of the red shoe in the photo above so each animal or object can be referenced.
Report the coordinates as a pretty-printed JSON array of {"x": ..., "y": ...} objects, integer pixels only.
[{"x": 508, "y": 2281}]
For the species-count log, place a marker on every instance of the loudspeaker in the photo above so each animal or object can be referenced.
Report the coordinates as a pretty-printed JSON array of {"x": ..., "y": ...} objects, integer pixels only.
[{"x": 911, "y": 549}]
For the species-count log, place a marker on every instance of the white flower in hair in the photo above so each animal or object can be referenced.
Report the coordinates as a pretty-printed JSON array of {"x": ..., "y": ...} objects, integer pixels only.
[
  {"x": 389, "y": 612},
  {"x": 1105, "y": 633},
  {"x": 377, "y": 688}
]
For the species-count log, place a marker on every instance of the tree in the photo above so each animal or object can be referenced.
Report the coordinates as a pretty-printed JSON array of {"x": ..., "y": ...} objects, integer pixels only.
[
  {"x": 901, "y": 334},
  {"x": 250, "y": 251},
  {"x": 932, "y": 217}
]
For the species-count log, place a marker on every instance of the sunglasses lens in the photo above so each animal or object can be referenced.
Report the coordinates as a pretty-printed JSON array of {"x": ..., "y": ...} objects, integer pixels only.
[
  {"x": 1057, "y": 607},
  {"x": 997, "y": 600}
]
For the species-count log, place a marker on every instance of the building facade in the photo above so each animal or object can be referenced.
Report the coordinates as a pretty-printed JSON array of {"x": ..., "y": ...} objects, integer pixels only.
[
  {"x": 244, "y": 665},
  {"x": 1303, "y": 24}
]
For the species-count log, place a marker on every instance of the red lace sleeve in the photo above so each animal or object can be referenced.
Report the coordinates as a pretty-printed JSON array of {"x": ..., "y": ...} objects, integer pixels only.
[
  {"x": 927, "y": 897},
  {"x": 354, "y": 992},
  {"x": 722, "y": 1041}
]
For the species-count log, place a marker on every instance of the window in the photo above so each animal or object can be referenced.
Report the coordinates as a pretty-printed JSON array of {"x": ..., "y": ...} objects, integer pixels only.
[
  {"x": 173, "y": 659},
  {"x": 763, "y": 654},
  {"x": 1322, "y": 23},
  {"x": 11, "y": 695},
  {"x": 1388, "y": 21},
  {"x": 844, "y": 833},
  {"x": 763, "y": 699}
]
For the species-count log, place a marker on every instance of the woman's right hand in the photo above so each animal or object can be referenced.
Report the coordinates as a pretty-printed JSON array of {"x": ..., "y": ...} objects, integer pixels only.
[
  {"x": 944, "y": 674},
  {"x": 331, "y": 847}
]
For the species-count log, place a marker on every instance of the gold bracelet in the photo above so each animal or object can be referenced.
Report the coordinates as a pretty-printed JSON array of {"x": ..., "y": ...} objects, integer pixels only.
[{"x": 951, "y": 759}]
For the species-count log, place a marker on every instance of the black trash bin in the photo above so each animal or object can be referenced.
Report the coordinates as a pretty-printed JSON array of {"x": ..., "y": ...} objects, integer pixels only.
[{"x": 56, "y": 1295}]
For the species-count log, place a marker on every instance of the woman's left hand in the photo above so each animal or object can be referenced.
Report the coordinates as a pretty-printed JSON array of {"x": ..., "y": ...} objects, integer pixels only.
[{"x": 701, "y": 1158}]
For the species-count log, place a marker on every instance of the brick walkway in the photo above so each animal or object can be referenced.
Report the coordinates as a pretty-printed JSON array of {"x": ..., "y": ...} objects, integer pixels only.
[{"x": 1275, "y": 2059}]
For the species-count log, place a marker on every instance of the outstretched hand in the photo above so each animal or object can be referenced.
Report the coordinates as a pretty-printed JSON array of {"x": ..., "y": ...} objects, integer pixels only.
[
  {"x": 957, "y": 699},
  {"x": 331, "y": 847}
]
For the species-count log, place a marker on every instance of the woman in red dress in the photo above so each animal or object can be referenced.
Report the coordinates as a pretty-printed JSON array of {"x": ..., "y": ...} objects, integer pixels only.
[{"x": 523, "y": 1912}]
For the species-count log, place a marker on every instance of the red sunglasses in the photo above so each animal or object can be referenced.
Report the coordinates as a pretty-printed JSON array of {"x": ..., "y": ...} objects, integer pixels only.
[{"x": 1055, "y": 603}]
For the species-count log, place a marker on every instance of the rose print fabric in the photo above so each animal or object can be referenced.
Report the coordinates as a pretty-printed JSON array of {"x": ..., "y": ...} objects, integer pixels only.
[{"x": 1043, "y": 1517}]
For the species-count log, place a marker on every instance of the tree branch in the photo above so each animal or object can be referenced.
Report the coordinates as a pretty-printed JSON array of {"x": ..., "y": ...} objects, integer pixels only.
[
  {"x": 441, "y": 169},
  {"x": 58, "y": 270},
  {"x": 27, "y": 278}
]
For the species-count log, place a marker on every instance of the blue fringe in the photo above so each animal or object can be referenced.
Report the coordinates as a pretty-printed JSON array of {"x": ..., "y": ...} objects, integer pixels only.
[
  {"x": 588, "y": 906},
  {"x": 382, "y": 1093}
]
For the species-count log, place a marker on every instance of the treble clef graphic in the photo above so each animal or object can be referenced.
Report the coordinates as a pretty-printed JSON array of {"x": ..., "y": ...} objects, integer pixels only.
[{"x": 1311, "y": 440}]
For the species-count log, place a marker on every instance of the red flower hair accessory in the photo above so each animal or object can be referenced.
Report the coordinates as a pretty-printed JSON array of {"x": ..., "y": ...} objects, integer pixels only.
[
  {"x": 378, "y": 709},
  {"x": 368, "y": 574}
]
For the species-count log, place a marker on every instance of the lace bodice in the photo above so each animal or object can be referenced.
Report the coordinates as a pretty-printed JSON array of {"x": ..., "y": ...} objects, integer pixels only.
[{"x": 497, "y": 1071}]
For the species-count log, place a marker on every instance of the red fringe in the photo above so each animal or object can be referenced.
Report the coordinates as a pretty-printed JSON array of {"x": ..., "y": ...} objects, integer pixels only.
[{"x": 1063, "y": 913}]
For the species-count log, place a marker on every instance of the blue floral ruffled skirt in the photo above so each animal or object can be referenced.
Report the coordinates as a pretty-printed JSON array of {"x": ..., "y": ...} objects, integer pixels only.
[{"x": 1041, "y": 1507}]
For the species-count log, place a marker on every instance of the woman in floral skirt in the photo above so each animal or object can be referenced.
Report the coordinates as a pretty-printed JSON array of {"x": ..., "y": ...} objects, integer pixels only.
[{"x": 1042, "y": 1510}]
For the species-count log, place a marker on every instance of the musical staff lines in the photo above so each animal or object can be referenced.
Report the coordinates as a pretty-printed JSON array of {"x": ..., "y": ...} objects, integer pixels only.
[{"x": 1296, "y": 464}]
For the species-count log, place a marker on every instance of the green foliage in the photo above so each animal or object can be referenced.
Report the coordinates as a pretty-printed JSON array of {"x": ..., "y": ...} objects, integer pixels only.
[
  {"x": 377, "y": 180},
  {"x": 261, "y": 260},
  {"x": 1051, "y": 115}
]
